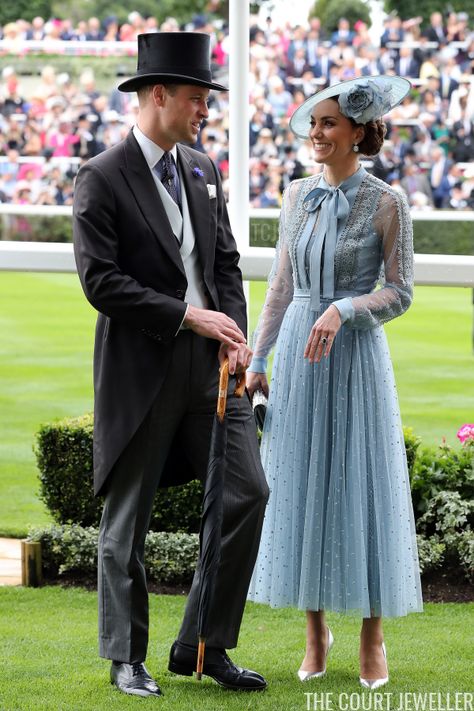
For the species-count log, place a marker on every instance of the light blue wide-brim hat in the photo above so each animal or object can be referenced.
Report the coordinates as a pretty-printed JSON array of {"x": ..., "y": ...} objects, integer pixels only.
[{"x": 363, "y": 99}]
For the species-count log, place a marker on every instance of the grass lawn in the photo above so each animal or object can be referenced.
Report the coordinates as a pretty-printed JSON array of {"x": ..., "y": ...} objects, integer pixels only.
[
  {"x": 46, "y": 355},
  {"x": 45, "y": 373},
  {"x": 50, "y": 661}
]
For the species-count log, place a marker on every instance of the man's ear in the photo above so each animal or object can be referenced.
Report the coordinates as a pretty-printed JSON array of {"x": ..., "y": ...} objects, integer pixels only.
[{"x": 159, "y": 94}]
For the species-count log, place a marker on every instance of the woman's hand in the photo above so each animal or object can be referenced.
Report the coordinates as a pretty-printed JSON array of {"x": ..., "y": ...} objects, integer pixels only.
[
  {"x": 322, "y": 335},
  {"x": 256, "y": 381}
]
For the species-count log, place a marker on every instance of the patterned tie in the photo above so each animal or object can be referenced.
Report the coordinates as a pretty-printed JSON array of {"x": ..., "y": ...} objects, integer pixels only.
[{"x": 168, "y": 175}]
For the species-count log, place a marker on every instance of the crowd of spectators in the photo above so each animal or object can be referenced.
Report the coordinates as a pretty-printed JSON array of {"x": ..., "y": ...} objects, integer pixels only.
[
  {"x": 428, "y": 153},
  {"x": 14, "y": 34},
  {"x": 45, "y": 137}
]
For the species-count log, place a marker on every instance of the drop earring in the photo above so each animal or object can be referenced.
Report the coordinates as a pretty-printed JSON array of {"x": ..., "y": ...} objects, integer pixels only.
[{"x": 355, "y": 148}]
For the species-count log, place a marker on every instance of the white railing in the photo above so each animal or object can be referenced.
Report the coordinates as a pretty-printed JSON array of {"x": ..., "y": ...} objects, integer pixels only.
[
  {"x": 255, "y": 262},
  {"x": 73, "y": 48},
  {"x": 423, "y": 215},
  {"x": 9, "y": 208},
  {"x": 106, "y": 48},
  {"x": 430, "y": 269},
  {"x": 60, "y": 161}
]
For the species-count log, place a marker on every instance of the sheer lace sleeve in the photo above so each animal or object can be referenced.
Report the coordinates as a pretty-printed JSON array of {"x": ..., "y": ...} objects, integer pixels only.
[
  {"x": 392, "y": 222},
  {"x": 279, "y": 292}
]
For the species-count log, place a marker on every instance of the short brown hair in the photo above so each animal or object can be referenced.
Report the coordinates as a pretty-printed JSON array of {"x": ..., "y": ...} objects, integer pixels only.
[{"x": 143, "y": 92}]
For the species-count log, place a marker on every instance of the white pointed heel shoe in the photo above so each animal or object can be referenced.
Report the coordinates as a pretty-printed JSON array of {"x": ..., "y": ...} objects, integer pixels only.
[
  {"x": 306, "y": 675},
  {"x": 376, "y": 683}
]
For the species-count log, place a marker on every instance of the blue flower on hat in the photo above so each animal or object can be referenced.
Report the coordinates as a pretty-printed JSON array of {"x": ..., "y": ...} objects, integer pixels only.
[
  {"x": 197, "y": 172},
  {"x": 366, "y": 101}
]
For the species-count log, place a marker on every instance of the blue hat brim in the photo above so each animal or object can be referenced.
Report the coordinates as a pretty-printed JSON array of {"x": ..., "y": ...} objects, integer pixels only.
[{"x": 300, "y": 122}]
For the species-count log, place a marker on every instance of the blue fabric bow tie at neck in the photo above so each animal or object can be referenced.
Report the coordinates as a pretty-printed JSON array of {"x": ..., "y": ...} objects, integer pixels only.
[{"x": 333, "y": 206}]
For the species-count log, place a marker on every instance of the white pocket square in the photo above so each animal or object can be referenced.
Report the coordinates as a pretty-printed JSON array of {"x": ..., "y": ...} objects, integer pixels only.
[{"x": 211, "y": 189}]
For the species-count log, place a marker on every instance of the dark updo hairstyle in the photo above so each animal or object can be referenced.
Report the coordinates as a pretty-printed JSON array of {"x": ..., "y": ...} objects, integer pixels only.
[{"x": 374, "y": 134}]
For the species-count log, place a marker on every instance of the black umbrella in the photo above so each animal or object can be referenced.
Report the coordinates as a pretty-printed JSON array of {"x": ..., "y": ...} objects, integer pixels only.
[
  {"x": 212, "y": 510},
  {"x": 259, "y": 404}
]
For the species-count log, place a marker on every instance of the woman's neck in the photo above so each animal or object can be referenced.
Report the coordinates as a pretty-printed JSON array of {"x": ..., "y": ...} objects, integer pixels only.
[{"x": 336, "y": 174}]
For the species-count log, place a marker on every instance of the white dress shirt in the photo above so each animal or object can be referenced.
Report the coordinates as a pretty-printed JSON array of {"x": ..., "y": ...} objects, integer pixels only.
[{"x": 180, "y": 222}]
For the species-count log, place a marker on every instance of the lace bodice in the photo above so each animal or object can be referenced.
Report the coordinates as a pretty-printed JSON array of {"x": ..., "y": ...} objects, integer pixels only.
[{"x": 374, "y": 246}]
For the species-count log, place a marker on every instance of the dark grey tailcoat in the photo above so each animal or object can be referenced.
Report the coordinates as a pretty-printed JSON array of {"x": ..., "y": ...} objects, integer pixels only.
[{"x": 131, "y": 271}]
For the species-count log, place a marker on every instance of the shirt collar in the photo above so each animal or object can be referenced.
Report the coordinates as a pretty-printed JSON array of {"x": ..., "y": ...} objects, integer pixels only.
[{"x": 151, "y": 150}]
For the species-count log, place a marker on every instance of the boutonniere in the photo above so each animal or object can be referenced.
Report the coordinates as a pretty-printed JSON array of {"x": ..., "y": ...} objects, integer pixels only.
[
  {"x": 197, "y": 172},
  {"x": 211, "y": 189}
]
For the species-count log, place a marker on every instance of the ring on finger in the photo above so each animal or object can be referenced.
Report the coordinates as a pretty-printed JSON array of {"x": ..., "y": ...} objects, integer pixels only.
[{"x": 324, "y": 340}]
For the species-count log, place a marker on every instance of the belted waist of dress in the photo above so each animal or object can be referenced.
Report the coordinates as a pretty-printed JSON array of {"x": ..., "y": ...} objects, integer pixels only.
[
  {"x": 306, "y": 294},
  {"x": 337, "y": 208}
]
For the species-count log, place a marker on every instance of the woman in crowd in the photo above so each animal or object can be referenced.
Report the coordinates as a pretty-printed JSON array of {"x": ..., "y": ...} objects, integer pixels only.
[{"x": 339, "y": 531}]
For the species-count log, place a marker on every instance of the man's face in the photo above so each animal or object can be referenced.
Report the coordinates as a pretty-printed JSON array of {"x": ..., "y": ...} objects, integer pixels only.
[{"x": 182, "y": 113}]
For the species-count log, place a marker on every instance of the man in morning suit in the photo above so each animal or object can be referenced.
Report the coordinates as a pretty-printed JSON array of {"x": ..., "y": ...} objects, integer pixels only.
[{"x": 157, "y": 259}]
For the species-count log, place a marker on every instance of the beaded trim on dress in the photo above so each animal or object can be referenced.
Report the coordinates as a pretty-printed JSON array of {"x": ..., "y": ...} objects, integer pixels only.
[{"x": 369, "y": 196}]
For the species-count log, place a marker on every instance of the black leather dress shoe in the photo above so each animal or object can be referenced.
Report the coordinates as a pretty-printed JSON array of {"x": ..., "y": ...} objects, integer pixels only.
[
  {"x": 133, "y": 679},
  {"x": 217, "y": 665}
]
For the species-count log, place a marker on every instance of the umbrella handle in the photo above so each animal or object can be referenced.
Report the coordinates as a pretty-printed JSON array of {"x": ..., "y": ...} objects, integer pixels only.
[
  {"x": 240, "y": 385},
  {"x": 200, "y": 658},
  {"x": 223, "y": 385}
]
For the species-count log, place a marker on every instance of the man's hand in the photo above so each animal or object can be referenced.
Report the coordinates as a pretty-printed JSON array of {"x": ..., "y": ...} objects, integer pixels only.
[
  {"x": 257, "y": 381},
  {"x": 239, "y": 355},
  {"x": 214, "y": 324}
]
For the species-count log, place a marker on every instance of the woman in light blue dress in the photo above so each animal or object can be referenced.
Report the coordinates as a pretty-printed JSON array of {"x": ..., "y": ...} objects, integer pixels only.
[{"x": 339, "y": 530}]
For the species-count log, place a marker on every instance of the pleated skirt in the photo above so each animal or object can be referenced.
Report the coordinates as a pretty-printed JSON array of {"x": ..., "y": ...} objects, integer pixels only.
[{"x": 339, "y": 530}]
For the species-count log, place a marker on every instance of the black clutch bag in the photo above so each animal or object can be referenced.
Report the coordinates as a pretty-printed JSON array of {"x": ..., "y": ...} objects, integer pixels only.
[{"x": 259, "y": 404}]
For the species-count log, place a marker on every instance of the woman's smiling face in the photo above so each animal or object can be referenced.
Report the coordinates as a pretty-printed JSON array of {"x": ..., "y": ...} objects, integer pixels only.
[{"x": 332, "y": 134}]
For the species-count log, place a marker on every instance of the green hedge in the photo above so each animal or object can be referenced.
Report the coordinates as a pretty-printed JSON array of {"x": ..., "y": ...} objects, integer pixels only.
[
  {"x": 64, "y": 457},
  {"x": 170, "y": 558},
  {"x": 441, "y": 469},
  {"x": 442, "y": 484},
  {"x": 439, "y": 237},
  {"x": 443, "y": 237},
  {"x": 72, "y": 550},
  {"x": 452, "y": 542},
  {"x": 442, "y": 487},
  {"x": 35, "y": 228}
]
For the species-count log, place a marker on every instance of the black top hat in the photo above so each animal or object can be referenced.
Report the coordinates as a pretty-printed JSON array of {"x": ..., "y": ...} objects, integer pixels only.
[{"x": 173, "y": 57}]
